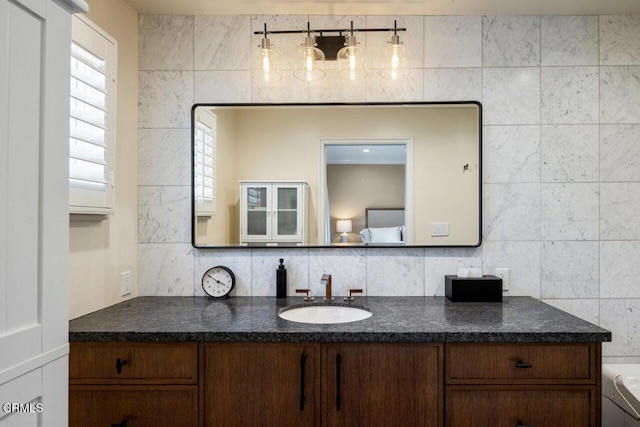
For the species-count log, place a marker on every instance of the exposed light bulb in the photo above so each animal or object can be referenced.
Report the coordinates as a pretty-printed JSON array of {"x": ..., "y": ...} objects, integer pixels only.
[
  {"x": 268, "y": 60},
  {"x": 310, "y": 61},
  {"x": 394, "y": 58},
  {"x": 350, "y": 60}
]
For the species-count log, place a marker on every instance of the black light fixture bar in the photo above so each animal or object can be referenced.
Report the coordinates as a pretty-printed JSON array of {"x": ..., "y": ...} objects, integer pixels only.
[{"x": 330, "y": 30}]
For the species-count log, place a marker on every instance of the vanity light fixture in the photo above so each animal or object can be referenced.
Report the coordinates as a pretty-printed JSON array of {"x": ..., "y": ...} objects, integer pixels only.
[
  {"x": 309, "y": 60},
  {"x": 319, "y": 47},
  {"x": 394, "y": 56},
  {"x": 267, "y": 60}
]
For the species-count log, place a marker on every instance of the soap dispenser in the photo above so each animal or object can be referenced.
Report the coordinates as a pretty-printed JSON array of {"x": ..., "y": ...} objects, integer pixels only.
[{"x": 281, "y": 280}]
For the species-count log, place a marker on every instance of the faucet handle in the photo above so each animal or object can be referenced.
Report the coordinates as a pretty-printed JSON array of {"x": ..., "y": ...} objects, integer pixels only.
[
  {"x": 351, "y": 292},
  {"x": 305, "y": 291}
]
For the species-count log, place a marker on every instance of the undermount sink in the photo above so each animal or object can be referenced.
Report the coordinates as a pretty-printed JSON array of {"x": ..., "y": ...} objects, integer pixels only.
[{"x": 325, "y": 313}]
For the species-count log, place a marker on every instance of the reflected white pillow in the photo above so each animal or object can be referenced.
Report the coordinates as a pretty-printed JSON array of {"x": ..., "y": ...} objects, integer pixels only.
[
  {"x": 385, "y": 235},
  {"x": 365, "y": 235}
]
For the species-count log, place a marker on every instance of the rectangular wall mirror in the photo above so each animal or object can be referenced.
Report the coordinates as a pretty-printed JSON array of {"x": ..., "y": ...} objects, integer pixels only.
[{"x": 339, "y": 175}]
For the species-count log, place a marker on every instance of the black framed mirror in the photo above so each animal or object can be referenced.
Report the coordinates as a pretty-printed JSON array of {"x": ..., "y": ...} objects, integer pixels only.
[{"x": 337, "y": 175}]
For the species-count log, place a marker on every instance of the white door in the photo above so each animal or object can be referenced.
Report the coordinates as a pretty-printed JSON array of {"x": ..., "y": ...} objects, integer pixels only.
[{"x": 34, "y": 125}]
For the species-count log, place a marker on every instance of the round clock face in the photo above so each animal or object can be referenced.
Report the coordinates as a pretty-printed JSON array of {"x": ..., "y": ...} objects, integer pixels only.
[{"x": 218, "y": 281}]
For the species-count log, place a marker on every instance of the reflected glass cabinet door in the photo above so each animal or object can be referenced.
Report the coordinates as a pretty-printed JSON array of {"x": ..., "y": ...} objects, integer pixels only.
[
  {"x": 273, "y": 212},
  {"x": 256, "y": 211}
]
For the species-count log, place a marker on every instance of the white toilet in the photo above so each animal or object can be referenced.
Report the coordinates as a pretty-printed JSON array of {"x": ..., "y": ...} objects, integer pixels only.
[{"x": 620, "y": 395}]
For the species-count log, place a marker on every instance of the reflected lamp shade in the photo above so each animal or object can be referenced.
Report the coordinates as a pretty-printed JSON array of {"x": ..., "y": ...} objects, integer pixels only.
[{"x": 344, "y": 226}]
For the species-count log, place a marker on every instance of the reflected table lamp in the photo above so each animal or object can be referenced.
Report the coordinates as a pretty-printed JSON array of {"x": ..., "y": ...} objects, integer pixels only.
[{"x": 343, "y": 226}]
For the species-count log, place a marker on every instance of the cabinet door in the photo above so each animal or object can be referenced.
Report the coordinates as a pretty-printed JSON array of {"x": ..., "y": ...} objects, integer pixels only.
[
  {"x": 540, "y": 406},
  {"x": 260, "y": 384},
  {"x": 256, "y": 212},
  {"x": 288, "y": 210},
  {"x": 382, "y": 385},
  {"x": 133, "y": 406}
]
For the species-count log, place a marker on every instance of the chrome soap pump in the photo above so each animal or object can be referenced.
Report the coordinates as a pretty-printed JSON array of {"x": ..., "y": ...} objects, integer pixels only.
[{"x": 281, "y": 280}]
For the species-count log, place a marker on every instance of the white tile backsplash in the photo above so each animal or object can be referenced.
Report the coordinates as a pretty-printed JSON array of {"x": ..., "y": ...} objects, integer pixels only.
[
  {"x": 511, "y": 154},
  {"x": 619, "y": 207},
  {"x": 452, "y": 41},
  {"x": 453, "y": 84},
  {"x": 620, "y": 153},
  {"x": 619, "y": 269},
  {"x": 399, "y": 273},
  {"x": 511, "y": 96},
  {"x": 569, "y": 95},
  {"x": 619, "y": 37},
  {"x": 165, "y": 42},
  {"x": 570, "y": 269},
  {"x": 620, "y": 94},
  {"x": 164, "y": 157},
  {"x": 569, "y": 153},
  {"x": 561, "y": 115},
  {"x": 511, "y": 41},
  {"x": 220, "y": 43},
  {"x": 165, "y": 99},
  {"x": 569, "y": 40},
  {"x": 164, "y": 214},
  {"x": 511, "y": 211},
  {"x": 570, "y": 211}
]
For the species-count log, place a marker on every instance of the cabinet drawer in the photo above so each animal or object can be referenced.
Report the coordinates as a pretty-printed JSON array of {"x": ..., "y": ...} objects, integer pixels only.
[
  {"x": 544, "y": 406},
  {"x": 520, "y": 363},
  {"x": 133, "y": 363},
  {"x": 133, "y": 406}
]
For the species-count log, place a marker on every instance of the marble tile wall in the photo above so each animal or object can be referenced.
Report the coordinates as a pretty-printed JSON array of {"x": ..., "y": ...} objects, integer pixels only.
[{"x": 561, "y": 97}]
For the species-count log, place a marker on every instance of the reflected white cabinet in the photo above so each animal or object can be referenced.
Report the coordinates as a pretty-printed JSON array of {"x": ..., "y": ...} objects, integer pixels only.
[{"x": 273, "y": 213}]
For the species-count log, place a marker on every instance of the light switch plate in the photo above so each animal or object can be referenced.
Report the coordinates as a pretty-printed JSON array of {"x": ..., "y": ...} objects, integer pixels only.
[{"x": 439, "y": 229}]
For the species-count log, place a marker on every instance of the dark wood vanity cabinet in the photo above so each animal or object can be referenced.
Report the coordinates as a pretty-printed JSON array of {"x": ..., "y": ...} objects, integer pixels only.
[
  {"x": 382, "y": 384},
  {"x": 260, "y": 384},
  {"x": 335, "y": 384},
  {"x": 133, "y": 384},
  {"x": 523, "y": 384},
  {"x": 354, "y": 384}
]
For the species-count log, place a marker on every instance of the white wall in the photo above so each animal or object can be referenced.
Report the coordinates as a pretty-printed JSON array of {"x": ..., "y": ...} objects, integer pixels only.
[{"x": 561, "y": 98}]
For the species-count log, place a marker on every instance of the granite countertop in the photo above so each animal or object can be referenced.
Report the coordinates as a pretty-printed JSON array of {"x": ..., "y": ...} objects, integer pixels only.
[{"x": 395, "y": 319}]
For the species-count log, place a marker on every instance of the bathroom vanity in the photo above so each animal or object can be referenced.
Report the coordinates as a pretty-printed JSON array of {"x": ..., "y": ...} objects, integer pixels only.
[{"x": 417, "y": 361}]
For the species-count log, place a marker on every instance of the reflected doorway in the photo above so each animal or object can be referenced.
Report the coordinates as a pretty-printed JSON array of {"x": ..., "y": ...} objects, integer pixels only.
[{"x": 367, "y": 189}]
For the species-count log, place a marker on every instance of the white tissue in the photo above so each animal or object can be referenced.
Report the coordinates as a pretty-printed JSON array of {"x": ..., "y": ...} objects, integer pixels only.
[
  {"x": 475, "y": 272},
  {"x": 463, "y": 272}
]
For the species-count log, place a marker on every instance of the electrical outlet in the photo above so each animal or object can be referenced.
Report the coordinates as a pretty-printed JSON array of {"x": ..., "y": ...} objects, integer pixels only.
[
  {"x": 125, "y": 283},
  {"x": 503, "y": 273}
]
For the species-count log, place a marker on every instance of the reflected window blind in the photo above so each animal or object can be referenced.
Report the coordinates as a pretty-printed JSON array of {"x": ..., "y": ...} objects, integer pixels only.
[
  {"x": 88, "y": 122},
  {"x": 204, "y": 162}
]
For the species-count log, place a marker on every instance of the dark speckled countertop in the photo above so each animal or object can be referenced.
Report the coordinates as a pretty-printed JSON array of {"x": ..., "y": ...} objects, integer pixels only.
[{"x": 395, "y": 319}]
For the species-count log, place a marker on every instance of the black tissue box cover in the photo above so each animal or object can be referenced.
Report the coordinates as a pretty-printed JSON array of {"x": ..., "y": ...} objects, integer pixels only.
[{"x": 473, "y": 289}]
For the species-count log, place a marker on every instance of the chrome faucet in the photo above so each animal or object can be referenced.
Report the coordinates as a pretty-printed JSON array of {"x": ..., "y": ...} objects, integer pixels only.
[{"x": 326, "y": 280}]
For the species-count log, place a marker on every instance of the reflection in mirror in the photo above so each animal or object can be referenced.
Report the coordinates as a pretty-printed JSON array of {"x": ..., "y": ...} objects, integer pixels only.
[
  {"x": 337, "y": 174},
  {"x": 363, "y": 176}
]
